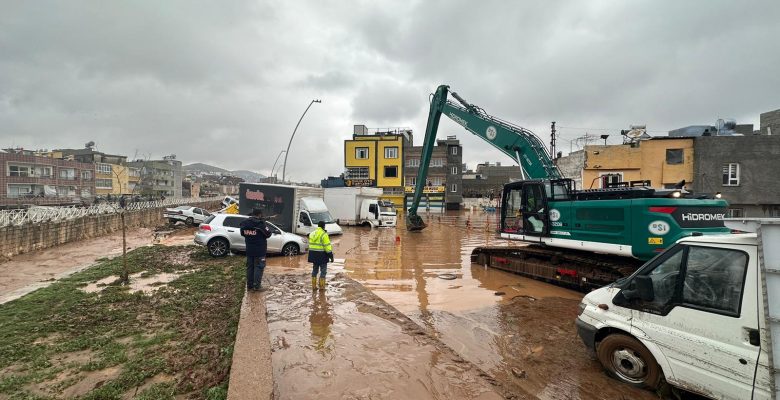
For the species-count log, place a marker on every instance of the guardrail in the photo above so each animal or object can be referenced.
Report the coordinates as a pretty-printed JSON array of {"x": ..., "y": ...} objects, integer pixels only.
[{"x": 34, "y": 215}]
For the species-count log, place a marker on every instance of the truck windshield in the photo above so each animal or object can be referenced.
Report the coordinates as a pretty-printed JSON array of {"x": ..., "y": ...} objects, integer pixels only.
[
  {"x": 389, "y": 210},
  {"x": 320, "y": 216}
]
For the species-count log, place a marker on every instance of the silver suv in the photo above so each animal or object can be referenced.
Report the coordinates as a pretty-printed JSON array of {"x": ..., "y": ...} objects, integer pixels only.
[{"x": 220, "y": 233}]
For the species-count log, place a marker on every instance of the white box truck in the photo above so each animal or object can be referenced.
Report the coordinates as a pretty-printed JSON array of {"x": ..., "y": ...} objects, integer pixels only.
[
  {"x": 703, "y": 316},
  {"x": 295, "y": 209},
  {"x": 360, "y": 206}
]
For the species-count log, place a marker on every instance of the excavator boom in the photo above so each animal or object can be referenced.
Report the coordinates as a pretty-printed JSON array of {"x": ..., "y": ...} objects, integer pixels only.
[{"x": 518, "y": 143}]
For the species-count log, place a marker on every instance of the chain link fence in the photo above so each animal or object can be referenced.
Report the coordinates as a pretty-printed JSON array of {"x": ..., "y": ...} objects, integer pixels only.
[{"x": 36, "y": 214}]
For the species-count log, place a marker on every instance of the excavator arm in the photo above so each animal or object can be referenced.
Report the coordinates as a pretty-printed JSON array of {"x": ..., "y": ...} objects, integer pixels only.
[{"x": 520, "y": 144}]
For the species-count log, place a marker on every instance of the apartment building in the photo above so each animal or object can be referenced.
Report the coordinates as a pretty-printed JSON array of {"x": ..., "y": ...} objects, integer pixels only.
[
  {"x": 375, "y": 158},
  {"x": 33, "y": 177},
  {"x": 444, "y": 186},
  {"x": 159, "y": 178},
  {"x": 112, "y": 174}
]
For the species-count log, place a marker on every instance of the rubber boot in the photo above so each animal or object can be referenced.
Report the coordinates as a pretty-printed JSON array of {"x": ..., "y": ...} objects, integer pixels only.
[
  {"x": 322, "y": 283},
  {"x": 314, "y": 282}
]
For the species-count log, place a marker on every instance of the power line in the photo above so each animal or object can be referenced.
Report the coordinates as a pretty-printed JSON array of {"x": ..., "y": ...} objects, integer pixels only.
[{"x": 603, "y": 129}]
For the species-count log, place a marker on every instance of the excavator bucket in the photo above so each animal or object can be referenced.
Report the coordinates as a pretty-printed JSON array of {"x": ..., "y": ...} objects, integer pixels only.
[{"x": 414, "y": 223}]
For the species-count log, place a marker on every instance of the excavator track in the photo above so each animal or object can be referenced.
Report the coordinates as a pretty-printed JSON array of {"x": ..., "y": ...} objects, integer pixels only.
[{"x": 573, "y": 269}]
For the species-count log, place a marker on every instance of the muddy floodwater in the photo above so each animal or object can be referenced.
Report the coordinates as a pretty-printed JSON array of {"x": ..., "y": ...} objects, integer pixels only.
[{"x": 520, "y": 332}]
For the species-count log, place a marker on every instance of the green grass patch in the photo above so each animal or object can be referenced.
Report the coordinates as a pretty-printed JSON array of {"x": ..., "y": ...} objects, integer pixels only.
[{"x": 59, "y": 337}]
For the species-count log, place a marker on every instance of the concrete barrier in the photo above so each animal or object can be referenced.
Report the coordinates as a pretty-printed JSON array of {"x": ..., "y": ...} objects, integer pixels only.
[
  {"x": 21, "y": 239},
  {"x": 252, "y": 373}
]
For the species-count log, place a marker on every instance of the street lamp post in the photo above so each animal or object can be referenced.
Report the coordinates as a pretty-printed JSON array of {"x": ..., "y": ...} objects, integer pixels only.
[
  {"x": 287, "y": 152},
  {"x": 277, "y": 160}
]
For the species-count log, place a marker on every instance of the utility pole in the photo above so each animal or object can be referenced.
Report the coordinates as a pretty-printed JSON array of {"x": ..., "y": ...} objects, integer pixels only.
[
  {"x": 287, "y": 152},
  {"x": 552, "y": 140}
]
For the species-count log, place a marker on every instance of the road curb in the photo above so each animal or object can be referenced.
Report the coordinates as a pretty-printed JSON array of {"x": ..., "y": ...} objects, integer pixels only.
[{"x": 251, "y": 373}]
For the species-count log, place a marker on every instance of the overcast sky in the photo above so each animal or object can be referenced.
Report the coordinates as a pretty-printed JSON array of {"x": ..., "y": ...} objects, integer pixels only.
[{"x": 224, "y": 82}]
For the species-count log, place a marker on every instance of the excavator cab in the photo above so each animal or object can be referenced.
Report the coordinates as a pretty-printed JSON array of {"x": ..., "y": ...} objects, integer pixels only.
[{"x": 524, "y": 209}]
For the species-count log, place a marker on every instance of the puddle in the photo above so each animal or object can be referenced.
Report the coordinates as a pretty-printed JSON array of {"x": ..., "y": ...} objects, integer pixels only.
[
  {"x": 491, "y": 318},
  {"x": 345, "y": 343},
  {"x": 138, "y": 282}
]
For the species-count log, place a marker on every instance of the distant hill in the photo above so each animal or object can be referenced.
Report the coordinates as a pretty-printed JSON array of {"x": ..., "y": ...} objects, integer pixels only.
[
  {"x": 248, "y": 176},
  {"x": 204, "y": 168}
]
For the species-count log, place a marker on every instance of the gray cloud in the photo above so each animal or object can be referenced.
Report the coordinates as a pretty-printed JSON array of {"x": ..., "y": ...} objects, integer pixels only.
[{"x": 225, "y": 83}]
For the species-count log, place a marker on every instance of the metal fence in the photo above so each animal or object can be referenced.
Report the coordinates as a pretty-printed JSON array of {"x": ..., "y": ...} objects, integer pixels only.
[{"x": 35, "y": 215}]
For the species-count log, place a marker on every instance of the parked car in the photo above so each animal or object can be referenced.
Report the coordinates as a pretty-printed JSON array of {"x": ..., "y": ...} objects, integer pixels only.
[
  {"x": 220, "y": 234},
  {"x": 190, "y": 215}
]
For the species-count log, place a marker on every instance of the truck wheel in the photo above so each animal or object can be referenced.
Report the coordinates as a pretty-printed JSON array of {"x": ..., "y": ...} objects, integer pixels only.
[
  {"x": 190, "y": 221},
  {"x": 366, "y": 224},
  {"x": 291, "y": 249},
  {"x": 218, "y": 247},
  {"x": 628, "y": 360}
]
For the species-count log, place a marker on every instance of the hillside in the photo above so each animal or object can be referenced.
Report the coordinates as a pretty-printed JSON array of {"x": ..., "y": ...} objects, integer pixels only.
[{"x": 246, "y": 175}]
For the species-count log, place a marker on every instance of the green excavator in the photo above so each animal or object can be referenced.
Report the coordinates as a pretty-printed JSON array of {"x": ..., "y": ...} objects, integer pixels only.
[{"x": 580, "y": 238}]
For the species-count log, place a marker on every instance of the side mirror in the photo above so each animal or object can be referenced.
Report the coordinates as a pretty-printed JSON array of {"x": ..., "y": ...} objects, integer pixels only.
[{"x": 642, "y": 288}]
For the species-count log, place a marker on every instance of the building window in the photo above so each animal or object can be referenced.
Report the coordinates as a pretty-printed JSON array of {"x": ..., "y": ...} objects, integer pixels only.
[
  {"x": 135, "y": 172},
  {"x": 454, "y": 170},
  {"x": 361, "y": 153},
  {"x": 736, "y": 213},
  {"x": 391, "y": 171},
  {"x": 67, "y": 173},
  {"x": 103, "y": 168},
  {"x": 434, "y": 181},
  {"x": 391, "y": 152},
  {"x": 731, "y": 174},
  {"x": 86, "y": 175},
  {"x": 410, "y": 180},
  {"x": 357, "y": 173},
  {"x": 437, "y": 162},
  {"x": 19, "y": 190},
  {"x": 85, "y": 192},
  {"x": 413, "y": 162},
  {"x": 19, "y": 170},
  {"x": 454, "y": 186},
  {"x": 104, "y": 184},
  {"x": 674, "y": 156},
  {"x": 43, "y": 172},
  {"x": 454, "y": 150}
]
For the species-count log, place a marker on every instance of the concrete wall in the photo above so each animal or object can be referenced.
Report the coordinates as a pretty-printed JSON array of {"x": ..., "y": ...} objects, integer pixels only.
[
  {"x": 758, "y": 192},
  {"x": 647, "y": 161},
  {"x": 770, "y": 120},
  {"x": 22, "y": 239},
  {"x": 571, "y": 166}
]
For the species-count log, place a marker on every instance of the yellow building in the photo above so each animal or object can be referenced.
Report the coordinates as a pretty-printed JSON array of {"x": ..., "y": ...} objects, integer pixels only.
[
  {"x": 377, "y": 160},
  {"x": 112, "y": 175},
  {"x": 662, "y": 161},
  {"x": 115, "y": 179}
]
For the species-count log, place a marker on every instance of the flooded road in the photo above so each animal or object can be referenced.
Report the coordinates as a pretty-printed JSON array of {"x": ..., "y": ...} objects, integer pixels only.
[
  {"x": 28, "y": 272},
  {"x": 519, "y": 331}
]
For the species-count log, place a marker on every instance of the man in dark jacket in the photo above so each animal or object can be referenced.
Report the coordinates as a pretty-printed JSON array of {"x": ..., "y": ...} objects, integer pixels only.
[{"x": 255, "y": 233}]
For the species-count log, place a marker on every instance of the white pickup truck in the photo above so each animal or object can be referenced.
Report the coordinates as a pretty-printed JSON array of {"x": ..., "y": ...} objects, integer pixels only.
[{"x": 703, "y": 316}]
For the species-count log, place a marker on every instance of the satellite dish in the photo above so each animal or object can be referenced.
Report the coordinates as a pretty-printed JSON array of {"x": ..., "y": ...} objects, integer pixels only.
[{"x": 634, "y": 133}]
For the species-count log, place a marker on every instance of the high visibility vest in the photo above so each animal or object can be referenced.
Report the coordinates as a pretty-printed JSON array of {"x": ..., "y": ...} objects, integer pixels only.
[{"x": 320, "y": 241}]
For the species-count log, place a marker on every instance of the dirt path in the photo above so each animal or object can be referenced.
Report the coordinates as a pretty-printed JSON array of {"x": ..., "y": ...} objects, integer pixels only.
[
  {"x": 346, "y": 343},
  {"x": 28, "y": 272}
]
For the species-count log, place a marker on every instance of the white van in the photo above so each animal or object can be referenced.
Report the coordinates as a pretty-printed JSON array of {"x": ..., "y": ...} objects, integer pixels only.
[{"x": 703, "y": 316}]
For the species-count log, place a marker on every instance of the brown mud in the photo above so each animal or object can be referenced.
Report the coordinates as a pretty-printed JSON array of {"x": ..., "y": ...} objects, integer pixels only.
[
  {"x": 519, "y": 331},
  {"x": 28, "y": 272},
  {"x": 347, "y": 343}
]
